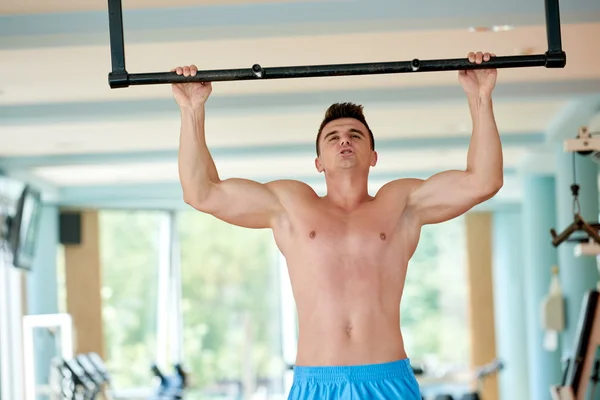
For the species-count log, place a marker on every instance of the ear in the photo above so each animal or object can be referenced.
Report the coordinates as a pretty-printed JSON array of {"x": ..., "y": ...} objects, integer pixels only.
[
  {"x": 318, "y": 165},
  {"x": 373, "y": 158}
]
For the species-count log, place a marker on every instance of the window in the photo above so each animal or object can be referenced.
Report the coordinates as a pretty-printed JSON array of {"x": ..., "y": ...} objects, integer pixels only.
[
  {"x": 434, "y": 305},
  {"x": 130, "y": 249},
  {"x": 231, "y": 309},
  {"x": 229, "y": 292}
]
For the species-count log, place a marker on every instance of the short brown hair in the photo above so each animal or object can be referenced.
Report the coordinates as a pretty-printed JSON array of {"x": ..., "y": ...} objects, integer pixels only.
[{"x": 344, "y": 110}]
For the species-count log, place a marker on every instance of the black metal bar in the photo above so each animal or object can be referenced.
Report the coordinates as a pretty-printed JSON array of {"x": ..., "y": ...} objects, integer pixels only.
[
  {"x": 557, "y": 240},
  {"x": 311, "y": 71},
  {"x": 118, "y": 75},
  {"x": 553, "y": 26}
]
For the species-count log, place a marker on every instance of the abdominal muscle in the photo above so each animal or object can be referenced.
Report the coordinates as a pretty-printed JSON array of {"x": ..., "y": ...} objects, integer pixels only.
[{"x": 348, "y": 311}]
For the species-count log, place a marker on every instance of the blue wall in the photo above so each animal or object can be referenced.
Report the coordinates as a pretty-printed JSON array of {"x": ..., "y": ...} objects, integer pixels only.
[{"x": 510, "y": 317}]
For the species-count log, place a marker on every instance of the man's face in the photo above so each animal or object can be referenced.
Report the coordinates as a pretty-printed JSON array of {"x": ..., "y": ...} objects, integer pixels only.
[{"x": 345, "y": 143}]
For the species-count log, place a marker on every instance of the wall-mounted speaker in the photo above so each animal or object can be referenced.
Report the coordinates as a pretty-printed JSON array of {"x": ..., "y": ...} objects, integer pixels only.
[{"x": 70, "y": 227}]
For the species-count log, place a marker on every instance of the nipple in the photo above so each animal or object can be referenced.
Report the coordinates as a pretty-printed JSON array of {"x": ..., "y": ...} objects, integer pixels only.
[
  {"x": 382, "y": 236},
  {"x": 312, "y": 234}
]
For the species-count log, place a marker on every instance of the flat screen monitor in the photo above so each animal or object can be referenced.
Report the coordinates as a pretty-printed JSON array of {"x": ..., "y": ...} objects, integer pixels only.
[{"x": 24, "y": 228}]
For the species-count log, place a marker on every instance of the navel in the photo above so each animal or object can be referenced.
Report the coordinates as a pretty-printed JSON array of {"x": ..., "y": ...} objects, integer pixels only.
[
  {"x": 382, "y": 236},
  {"x": 349, "y": 330},
  {"x": 312, "y": 234}
]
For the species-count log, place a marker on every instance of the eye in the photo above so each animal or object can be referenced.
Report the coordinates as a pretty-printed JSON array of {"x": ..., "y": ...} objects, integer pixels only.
[
  {"x": 333, "y": 138},
  {"x": 356, "y": 136}
]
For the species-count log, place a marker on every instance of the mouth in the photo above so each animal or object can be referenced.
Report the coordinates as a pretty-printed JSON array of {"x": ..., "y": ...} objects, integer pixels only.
[{"x": 346, "y": 152}]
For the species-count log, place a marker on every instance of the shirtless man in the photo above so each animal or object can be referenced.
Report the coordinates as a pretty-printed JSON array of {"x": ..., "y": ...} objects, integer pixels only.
[{"x": 347, "y": 252}]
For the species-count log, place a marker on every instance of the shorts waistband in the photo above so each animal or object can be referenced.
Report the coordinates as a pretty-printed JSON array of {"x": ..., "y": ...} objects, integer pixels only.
[{"x": 390, "y": 370}]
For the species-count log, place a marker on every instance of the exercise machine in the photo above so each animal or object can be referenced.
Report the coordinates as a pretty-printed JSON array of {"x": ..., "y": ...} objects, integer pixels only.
[
  {"x": 589, "y": 244},
  {"x": 93, "y": 367},
  {"x": 479, "y": 376},
  {"x": 171, "y": 387},
  {"x": 93, "y": 362},
  {"x": 71, "y": 382},
  {"x": 582, "y": 369},
  {"x": 119, "y": 77},
  {"x": 580, "y": 376},
  {"x": 83, "y": 377},
  {"x": 584, "y": 144}
]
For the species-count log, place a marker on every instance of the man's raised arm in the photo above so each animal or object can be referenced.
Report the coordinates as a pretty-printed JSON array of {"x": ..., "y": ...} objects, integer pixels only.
[
  {"x": 240, "y": 202},
  {"x": 452, "y": 193}
]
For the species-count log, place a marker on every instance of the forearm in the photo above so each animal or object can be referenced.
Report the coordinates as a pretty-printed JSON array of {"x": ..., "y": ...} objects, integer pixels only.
[
  {"x": 484, "y": 158},
  {"x": 197, "y": 171}
]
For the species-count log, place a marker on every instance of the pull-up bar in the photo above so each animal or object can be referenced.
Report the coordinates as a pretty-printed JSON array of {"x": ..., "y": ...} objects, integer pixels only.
[{"x": 555, "y": 57}]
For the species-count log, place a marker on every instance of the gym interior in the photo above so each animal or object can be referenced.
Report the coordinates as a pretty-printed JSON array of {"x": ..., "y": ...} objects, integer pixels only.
[{"x": 111, "y": 286}]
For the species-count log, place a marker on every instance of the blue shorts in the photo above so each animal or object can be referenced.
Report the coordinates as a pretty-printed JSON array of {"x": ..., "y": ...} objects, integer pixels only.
[{"x": 394, "y": 380}]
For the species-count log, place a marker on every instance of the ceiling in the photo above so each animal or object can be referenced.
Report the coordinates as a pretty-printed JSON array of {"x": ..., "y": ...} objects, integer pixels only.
[
  {"x": 64, "y": 129},
  {"x": 56, "y": 6}
]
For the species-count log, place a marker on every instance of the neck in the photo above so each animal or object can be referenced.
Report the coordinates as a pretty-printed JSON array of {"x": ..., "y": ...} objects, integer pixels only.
[{"x": 347, "y": 189}]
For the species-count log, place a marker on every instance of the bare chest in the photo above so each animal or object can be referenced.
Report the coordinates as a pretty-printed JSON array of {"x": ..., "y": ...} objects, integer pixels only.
[{"x": 327, "y": 231}]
